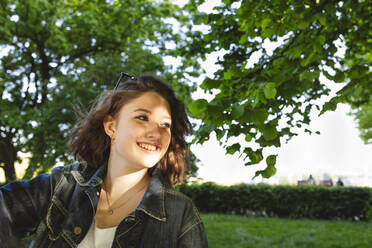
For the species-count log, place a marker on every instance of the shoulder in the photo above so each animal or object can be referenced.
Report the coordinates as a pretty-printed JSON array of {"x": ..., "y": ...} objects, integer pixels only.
[
  {"x": 170, "y": 194},
  {"x": 192, "y": 230},
  {"x": 75, "y": 172},
  {"x": 176, "y": 195},
  {"x": 77, "y": 166},
  {"x": 178, "y": 200}
]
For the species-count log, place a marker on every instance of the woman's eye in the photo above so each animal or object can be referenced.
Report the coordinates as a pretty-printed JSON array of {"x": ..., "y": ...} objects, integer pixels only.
[
  {"x": 166, "y": 125},
  {"x": 142, "y": 117}
]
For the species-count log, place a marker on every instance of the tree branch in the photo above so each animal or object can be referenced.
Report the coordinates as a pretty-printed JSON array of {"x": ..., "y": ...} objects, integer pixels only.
[
  {"x": 82, "y": 53},
  {"x": 77, "y": 55}
]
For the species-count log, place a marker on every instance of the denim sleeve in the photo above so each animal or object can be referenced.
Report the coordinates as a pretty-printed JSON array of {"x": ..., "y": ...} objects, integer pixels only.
[
  {"x": 193, "y": 233},
  {"x": 23, "y": 204}
]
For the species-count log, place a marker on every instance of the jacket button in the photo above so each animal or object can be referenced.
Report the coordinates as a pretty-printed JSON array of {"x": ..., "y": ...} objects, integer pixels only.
[{"x": 77, "y": 230}]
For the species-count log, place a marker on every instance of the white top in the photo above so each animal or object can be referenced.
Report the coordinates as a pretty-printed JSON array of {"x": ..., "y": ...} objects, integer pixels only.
[{"x": 98, "y": 237}]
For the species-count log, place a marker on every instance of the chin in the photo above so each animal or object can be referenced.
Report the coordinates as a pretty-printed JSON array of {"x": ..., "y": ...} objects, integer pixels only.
[{"x": 150, "y": 164}]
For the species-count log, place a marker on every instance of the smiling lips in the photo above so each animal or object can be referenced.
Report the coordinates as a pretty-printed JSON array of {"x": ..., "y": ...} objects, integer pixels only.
[{"x": 148, "y": 147}]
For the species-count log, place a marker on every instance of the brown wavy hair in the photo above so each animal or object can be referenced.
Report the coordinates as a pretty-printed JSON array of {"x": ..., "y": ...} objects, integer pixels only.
[{"x": 89, "y": 141}]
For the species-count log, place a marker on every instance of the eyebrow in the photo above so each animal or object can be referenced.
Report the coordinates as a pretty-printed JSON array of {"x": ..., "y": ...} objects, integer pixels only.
[
  {"x": 142, "y": 110},
  {"x": 149, "y": 112}
]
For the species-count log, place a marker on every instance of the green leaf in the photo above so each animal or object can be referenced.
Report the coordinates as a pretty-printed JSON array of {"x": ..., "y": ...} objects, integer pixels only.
[
  {"x": 259, "y": 172},
  {"x": 320, "y": 40},
  {"x": 220, "y": 133},
  {"x": 260, "y": 98},
  {"x": 322, "y": 20},
  {"x": 307, "y": 60},
  {"x": 269, "y": 132},
  {"x": 227, "y": 75},
  {"x": 210, "y": 84},
  {"x": 269, "y": 171},
  {"x": 294, "y": 53},
  {"x": 255, "y": 156},
  {"x": 308, "y": 76},
  {"x": 243, "y": 39},
  {"x": 215, "y": 110},
  {"x": 248, "y": 137},
  {"x": 198, "y": 107},
  {"x": 339, "y": 77},
  {"x": 270, "y": 91},
  {"x": 257, "y": 116},
  {"x": 244, "y": 25},
  {"x": 203, "y": 133},
  {"x": 303, "y": 24},
  {"x": 271, "y": 160},
  {"x": 233, "y": 148},
  {"x": 237, "y": 111},
  {"x": 330, "y": 105},
  {"x": 265, "y": 23}
]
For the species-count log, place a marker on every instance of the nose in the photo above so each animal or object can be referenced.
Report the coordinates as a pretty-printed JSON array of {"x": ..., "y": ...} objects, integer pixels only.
[{"x": 153, "y": 131}]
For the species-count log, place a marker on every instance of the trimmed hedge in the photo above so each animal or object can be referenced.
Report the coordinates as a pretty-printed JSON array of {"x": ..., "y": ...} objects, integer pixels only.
[{"x": 313, "y": 202}]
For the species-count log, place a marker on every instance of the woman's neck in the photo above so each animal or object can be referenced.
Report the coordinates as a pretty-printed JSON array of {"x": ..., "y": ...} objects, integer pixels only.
[{"x": 120, "y": 179}]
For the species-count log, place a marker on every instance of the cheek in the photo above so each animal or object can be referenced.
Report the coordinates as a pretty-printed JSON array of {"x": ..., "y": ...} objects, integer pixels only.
[
  {"x": 167, "y": 138},
  {"x": 126, "y": 134}
]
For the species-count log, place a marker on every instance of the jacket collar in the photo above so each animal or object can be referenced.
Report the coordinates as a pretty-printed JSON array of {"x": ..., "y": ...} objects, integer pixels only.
[
  {"x": 87, "y": 176},
  {"x": 152, "y": 202}
]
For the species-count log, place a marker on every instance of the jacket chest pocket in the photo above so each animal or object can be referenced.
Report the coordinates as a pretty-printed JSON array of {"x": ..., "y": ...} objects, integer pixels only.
[{"x": 55, "y": 219}]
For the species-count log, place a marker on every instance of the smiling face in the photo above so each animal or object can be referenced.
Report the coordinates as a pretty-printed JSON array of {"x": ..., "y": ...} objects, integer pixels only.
[{"x": 140, "y": 133}]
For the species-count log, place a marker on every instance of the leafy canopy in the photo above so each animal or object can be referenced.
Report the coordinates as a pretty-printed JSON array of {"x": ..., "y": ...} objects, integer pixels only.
[
  {"x": 62, "y": 53},
  {"x": 265, "y": 100}
]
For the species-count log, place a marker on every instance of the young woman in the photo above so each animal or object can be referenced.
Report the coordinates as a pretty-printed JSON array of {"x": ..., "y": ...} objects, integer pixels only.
[{"x": 133, "y": 151}]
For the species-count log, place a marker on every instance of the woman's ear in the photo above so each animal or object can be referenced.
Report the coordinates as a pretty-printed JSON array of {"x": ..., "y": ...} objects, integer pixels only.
[{"x": 109, "y": 125}]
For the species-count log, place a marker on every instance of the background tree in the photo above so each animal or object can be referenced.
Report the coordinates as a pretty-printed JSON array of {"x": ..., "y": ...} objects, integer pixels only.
[
  {"x": 297, "y": 42},
  {"x": 56, "y": 54},
  {"x": 363, "y": 116}
]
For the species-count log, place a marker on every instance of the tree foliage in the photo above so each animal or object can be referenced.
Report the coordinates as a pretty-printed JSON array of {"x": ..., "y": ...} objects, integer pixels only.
[
  {"x": 363, "y": 116},
  {"x": 56, "y": 54},
  {"x": 296, "y": 43}
]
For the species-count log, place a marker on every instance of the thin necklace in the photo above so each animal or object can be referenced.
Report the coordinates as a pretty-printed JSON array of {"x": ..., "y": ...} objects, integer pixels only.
[{"x": 111, "y": 209}]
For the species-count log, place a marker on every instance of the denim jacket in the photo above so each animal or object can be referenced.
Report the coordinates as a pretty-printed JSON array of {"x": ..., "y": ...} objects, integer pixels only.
[{"x": 59, "y": 209}]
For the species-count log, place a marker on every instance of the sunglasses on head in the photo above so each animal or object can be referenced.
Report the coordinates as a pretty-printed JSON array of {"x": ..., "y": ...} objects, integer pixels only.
[{"x": 122, "y": 74}]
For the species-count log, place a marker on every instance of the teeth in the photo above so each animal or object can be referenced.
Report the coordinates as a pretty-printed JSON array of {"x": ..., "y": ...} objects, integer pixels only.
[{"x": 147, "y": 147}]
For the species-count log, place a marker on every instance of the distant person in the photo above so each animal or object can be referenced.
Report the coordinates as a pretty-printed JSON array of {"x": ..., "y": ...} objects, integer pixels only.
[
  {"x": 133, "y": 149},
  {"x": 329, "y": 182},
  {"x": 311, "y": 180},
  {"x": 340, "y": 182}
]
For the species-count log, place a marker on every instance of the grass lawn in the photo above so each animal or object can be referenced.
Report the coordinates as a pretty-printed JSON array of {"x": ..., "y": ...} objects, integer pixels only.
[{"x": 231, "y": 231}]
